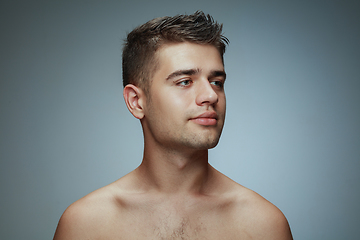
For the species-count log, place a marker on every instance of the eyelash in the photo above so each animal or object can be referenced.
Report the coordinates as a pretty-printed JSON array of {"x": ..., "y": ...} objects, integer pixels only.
[
  {"x": 187, "y": 82},
  {"x": 220, "y": 84},
  {"x": 181, "y": 83}
]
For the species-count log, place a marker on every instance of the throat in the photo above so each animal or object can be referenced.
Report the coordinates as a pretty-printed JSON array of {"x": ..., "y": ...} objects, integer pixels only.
[{"x": 174, "y": 176}]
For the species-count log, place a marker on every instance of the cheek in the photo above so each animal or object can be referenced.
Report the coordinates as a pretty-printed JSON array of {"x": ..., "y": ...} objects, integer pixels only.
[
  {"x": 178, "y": 100},
  {"x": 170, "y": 102},
  {"x": 222, "y": 101},
  {"x": 165, "y": 106}
]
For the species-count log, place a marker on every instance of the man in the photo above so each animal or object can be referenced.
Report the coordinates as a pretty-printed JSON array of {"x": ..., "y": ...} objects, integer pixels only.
[{"x": 174, "y": 76}]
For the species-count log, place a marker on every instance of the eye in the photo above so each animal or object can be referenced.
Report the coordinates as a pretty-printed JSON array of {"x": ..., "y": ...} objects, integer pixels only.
[
  {"x": 184, "y": 83},
  {"x": 219, "y": 84}
]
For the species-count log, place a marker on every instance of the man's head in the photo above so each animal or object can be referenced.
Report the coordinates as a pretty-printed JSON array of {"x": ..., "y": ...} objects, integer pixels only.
[
  {"x": 173, "y": 81},
  {"x": 139, "y": 53}
]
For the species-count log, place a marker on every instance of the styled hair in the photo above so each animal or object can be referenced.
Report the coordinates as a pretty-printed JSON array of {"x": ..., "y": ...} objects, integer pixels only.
[{"x": 139, "y": 61}]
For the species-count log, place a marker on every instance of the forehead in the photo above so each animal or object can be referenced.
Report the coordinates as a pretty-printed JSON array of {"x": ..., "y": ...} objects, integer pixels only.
[{"x": 178, "y": 56}]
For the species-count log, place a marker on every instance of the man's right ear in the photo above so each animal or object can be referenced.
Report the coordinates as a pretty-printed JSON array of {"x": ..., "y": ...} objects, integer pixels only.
[{"x": 134, "y": 98}]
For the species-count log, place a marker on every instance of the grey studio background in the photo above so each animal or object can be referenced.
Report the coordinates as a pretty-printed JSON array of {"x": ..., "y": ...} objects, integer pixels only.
[{"x": 292, "y": 132}]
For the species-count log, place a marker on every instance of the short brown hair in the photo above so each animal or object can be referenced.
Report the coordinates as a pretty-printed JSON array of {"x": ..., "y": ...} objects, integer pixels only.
[{"x": 139, "y": 61}]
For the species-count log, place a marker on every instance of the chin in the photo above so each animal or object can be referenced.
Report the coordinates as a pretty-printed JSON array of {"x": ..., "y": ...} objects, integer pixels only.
[
  {"x": 202, "y": 145},
  {"x": 213, "y": 145},
  {"x": 200, "y": 141}
]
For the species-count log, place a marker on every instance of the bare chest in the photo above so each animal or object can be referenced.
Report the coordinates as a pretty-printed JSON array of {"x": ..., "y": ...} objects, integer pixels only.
[
  {"x": 171, "y": 227},
  {"x": 172, "y": 218},
  {"x": 172, "y": 224}
]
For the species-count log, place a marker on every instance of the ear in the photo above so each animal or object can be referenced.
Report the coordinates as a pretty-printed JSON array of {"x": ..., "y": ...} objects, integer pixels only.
[{"x": 134, "y": 98}]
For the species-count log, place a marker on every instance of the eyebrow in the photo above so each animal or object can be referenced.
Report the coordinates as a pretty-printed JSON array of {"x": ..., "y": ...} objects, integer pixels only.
[
  {"x": 190, "y": 72},
  {"x": 217, "y": 73},
  {"x": 181, "y": 72}
]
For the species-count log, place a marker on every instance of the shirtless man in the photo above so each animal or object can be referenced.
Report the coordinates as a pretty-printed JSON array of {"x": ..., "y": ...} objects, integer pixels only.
[{"x": 174, "y": 78}]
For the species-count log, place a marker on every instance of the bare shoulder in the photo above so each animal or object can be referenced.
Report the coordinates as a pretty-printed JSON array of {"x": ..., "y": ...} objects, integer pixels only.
[
  {"x": 248, "y": 214},
  {"x": 260, "y": 218},
  {"x": 89, "y": 216}
]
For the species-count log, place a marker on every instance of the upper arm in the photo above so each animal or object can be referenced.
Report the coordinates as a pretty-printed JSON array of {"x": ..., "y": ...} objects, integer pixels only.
[
  {"x": 75, "y": 223},
  {"x": 272, "y": 224},
  {"x": 260, "y": 219},
  {"x": 70, "y": 224},
  {"x": 277, "y": 226},
  {"x": 89, "y": 218}
]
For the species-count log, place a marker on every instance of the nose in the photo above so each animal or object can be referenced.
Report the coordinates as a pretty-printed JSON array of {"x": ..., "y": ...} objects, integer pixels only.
[{"x": 206, "y": 94}]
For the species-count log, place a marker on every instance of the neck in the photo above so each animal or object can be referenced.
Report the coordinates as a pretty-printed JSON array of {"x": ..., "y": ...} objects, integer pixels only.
[{"x": 171, "y": 171}]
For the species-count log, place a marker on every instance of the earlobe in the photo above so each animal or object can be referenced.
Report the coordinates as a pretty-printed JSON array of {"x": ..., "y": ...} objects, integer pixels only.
[{"x": 133, "y": 97}]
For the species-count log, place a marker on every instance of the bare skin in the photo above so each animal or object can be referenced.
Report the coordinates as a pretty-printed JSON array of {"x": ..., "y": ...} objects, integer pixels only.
[{"x": 175, "y": 193}]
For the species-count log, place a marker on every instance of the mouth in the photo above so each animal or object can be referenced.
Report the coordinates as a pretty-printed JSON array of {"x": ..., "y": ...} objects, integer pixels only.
[{"x": 206, "y": 119}]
